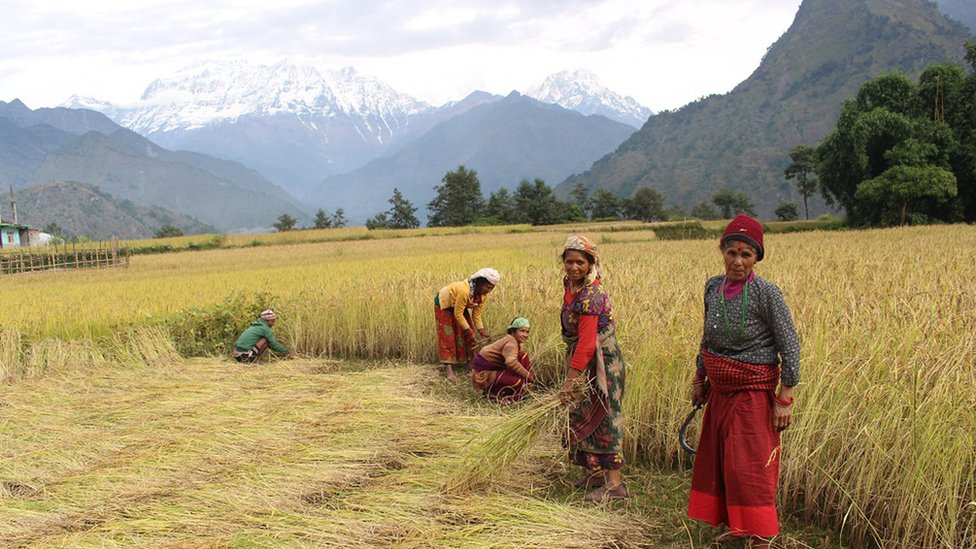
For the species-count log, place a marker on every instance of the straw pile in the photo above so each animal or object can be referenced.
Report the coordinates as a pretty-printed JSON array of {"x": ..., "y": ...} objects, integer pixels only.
[{"x": 490, "y": 454}]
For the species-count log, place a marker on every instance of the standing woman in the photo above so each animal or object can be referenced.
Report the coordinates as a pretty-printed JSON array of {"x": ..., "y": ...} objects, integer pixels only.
[
  {"x": 749, "y": 344},
  {"x": 457, "y": 311},
  {"x": 596, "y": 424}
]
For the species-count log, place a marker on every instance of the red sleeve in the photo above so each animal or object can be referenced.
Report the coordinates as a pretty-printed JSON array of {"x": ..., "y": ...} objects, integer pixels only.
[{"x": 587, "y": 342}]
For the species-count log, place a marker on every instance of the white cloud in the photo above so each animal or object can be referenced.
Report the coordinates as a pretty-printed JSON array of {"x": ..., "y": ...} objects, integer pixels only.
[{"x": 662, "y": 52}]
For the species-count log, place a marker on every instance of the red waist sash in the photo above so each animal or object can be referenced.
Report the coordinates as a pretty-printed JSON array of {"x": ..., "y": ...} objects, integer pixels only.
[{"x": 728, "y": 375}]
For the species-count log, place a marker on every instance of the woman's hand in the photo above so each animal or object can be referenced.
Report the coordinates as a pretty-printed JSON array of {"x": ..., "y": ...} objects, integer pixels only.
[
  {"x": 567, "y": 393},
  {"x": 483, "y": 332},
  {"x": 698, "y": 394},
  {"x": 783, "y": 409},
  {"x": 469, "y": 337}
]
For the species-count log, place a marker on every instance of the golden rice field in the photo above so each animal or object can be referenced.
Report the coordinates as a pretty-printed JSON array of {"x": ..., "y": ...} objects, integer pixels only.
[{"x": 883, "y": 449}]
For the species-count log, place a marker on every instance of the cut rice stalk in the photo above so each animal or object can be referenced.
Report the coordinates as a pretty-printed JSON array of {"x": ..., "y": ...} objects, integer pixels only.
[{"x": 509, "y": 440}]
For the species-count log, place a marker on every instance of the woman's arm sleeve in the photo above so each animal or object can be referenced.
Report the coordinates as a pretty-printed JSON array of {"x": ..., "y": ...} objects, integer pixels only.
[
  {"x": 780, "y": 321},
  {"x": 586, "y": 345}
]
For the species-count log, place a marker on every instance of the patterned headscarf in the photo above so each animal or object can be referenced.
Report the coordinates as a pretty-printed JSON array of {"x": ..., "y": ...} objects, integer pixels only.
[
  {"x": 268, "y": 315},
  {"x": 519, "y": 322},
  {"x": 580, "y": 243}
]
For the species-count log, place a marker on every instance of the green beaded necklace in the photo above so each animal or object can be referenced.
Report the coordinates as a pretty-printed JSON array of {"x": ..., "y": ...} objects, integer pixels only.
[{"x": 725, "y": 313}]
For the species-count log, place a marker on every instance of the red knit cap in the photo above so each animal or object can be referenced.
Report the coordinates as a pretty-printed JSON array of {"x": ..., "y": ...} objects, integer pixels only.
[{"x": 745, "y": 229}]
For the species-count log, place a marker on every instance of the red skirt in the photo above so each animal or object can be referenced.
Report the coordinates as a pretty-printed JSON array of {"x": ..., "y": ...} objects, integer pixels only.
[
  {"x": 451, "y": 345},
  {"x": 736, "y": 470},
  {"x": 498, "y": 382}
]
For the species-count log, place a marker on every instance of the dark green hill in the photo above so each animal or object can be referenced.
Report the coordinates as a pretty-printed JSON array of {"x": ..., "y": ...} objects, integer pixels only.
[
  {"x": 84, "y": 210},
  {"x": 741, "y": 139}
]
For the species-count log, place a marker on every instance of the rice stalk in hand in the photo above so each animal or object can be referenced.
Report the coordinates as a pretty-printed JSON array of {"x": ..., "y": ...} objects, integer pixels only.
[{"x": 506, "y": 442}]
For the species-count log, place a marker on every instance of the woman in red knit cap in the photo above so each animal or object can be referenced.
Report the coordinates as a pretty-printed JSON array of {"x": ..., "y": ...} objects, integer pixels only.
[{"x": 748, "y": 347}]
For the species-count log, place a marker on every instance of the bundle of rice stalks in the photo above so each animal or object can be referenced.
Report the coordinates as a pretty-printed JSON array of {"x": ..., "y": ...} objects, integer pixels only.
[{"x": 483, "y": 458}]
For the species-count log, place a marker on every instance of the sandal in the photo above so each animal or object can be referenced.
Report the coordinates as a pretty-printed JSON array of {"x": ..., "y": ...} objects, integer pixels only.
[
  {"x": 591, "y": 481},
  {"x": 604, "y": 493}
]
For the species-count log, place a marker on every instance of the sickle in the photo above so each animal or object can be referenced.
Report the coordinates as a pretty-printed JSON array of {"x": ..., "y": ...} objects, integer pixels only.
[{"x": 683, "y": 432}]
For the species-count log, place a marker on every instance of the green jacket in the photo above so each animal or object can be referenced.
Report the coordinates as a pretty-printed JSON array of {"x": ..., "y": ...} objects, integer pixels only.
[{"x": 258, "y": 329}]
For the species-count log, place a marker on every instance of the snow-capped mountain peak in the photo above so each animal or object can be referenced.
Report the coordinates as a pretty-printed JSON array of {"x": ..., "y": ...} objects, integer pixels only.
[
  {"x": 214, "y": 92},
  {"x": 582, "y": 91}
]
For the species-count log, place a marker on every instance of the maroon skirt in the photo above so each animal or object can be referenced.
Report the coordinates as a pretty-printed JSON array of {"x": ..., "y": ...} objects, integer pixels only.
[
  {"x": 737, "y": 463},
  {"x": 498, "y": 382}
]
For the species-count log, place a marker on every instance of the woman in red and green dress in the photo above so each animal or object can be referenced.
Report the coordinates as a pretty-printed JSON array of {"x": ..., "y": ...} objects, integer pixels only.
[
  {"x": 596, "y": 422},
  {"x": 749, "y": 346},
  {"x": 458, "y": 309}
]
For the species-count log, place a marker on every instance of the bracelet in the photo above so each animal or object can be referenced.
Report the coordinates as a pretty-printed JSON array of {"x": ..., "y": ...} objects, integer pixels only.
[
  {"x": 782, "y": 402},
  {"x": 697, "y": 382}
]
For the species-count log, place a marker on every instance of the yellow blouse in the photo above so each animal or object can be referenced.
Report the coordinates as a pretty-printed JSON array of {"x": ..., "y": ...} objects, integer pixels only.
[{"x": 458, "y": 296}]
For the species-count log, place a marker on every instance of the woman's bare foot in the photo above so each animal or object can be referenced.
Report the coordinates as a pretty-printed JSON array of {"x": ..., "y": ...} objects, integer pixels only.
[{"x": 449, "y": 373}]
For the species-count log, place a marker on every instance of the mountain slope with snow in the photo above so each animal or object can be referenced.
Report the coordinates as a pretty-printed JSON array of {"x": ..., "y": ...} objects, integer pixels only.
[{"x": 582, "y": 91}]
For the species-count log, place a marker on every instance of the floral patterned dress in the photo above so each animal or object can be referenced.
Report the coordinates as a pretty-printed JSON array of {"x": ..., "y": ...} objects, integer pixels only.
[{"x": 597, "y": 424}]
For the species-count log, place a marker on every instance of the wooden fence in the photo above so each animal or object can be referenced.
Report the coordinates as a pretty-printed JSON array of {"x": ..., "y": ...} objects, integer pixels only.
[{"x": 67, "y": 256}]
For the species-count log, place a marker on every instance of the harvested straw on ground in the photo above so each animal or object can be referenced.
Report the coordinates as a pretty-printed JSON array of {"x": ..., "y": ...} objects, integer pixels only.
[{"x": 508, "y": 441}]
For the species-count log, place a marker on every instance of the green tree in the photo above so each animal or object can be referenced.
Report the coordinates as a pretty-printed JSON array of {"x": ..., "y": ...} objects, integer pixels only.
[
  {"x": 322, "y": 220},
  {"x": 339, "y": 218},
  {"x": 786, "y": 211},
  {"x": 605, "y": 205},
  {"x": 902, "y": 191},
  {"x": 731, "y": 203},
  {"x": 646, "y": 205},
  {"x": 579, "y": 195},
  {"x": 537, "y": 204},
  {"x": 501, "y": 208},
  {"x": 704, "y": 211},
  {"x": 925, "y": 130},
  {"x": 167, "y": 231},
  {"x": 285, "y": 223},
  {"x": 402, "y": 212},
  {"x": 802, "y": 167},
  {"x": 378, "y": 221},
  {"x": 458, "y": 201}
]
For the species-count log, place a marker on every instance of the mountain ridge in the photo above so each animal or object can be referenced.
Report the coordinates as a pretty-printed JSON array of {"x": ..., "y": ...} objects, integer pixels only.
[
  {"x": 297, "y": 125},
  {"x": 130, "y": 167},
  {"x": 504, "y": 141},
  {"x": 741, "y": 139}
]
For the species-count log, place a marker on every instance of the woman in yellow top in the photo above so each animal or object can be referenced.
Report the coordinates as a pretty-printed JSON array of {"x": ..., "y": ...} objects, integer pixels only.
[{"x": 457, "y": 311}]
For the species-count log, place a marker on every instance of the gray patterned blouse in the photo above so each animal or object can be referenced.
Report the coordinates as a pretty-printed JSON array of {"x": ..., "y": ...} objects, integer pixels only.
[{"x": 768, "y": 337}]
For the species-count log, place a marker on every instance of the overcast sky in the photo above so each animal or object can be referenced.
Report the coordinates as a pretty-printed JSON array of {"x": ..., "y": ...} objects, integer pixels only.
[{"x": 664, "y": 53}]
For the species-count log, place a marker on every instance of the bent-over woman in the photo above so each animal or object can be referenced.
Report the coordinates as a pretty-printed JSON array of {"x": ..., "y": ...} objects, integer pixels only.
[
  {"x": 596, "y": 424},
  {"x": 502, "y": 370},
  {"x": 457, "y": 312},
  {"x": 749, "y": 345}
]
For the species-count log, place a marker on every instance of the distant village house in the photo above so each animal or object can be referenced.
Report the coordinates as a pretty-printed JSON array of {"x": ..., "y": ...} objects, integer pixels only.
[{"x": 14, "y": 235}]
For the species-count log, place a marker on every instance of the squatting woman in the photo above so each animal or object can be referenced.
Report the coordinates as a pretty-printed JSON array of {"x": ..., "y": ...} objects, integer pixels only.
[
  {"x": 502, "y": 370},
  {"x": 457, "y": 312},
  {"x": 596, "y": 423},
  {"x": 749, "y": 345}
]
